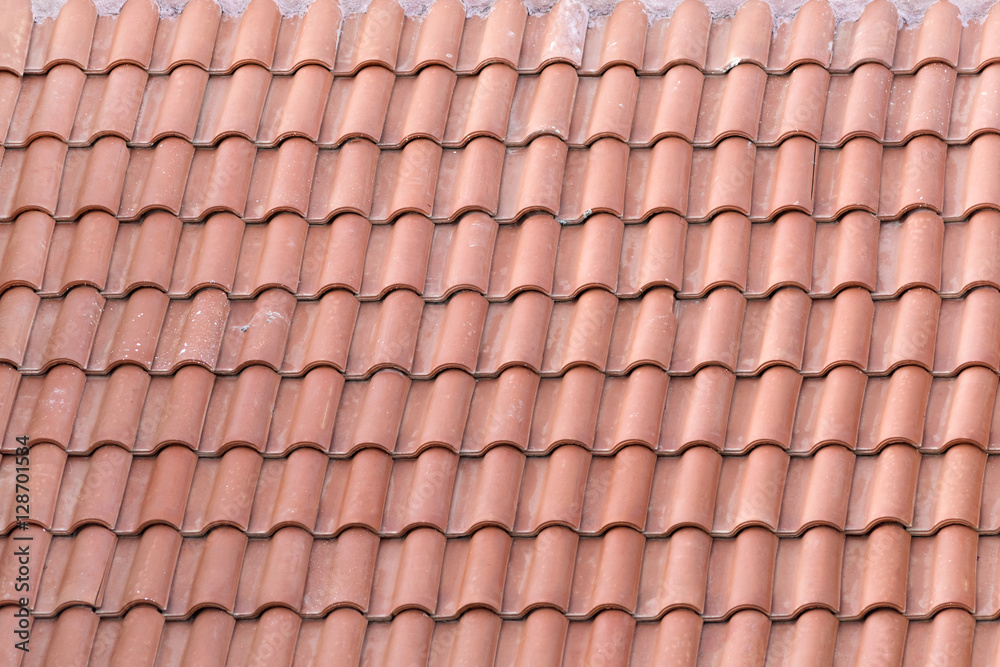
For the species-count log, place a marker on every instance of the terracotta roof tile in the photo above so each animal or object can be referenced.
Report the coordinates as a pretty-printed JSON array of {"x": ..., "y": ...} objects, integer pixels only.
[{"x": 514, "y": 338}]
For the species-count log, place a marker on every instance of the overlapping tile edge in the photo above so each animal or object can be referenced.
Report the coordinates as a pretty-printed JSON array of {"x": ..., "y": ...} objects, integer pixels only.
[{"x": 545, "y": 536}]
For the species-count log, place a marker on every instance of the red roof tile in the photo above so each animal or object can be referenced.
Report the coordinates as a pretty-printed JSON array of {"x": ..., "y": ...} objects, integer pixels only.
[{"x": 519, "y": 338}]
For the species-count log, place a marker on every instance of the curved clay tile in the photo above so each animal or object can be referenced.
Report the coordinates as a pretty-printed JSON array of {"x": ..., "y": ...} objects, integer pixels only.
[
  {"x": 353, "y": 496},
  {"x": 618, "y": 489},
  {"x": 129, "y": 330},
  {"x": 192, "y": 332},
  {"x": 926, "y": 638},
  {"x": 247, "y": 38},
  {"x": 306, "y": 40},
  {"x": 872, "y": 38},
  {"x": 731, "y": 104},
  {"x": 294, "y": 105},
  {"x": 960, "y": 343},
  {"x": 580, "y": 332},
  {"x": 573, "y": 401},
  {"x": 707, "y": 331},
  {"x": 320, "y": 332},
  {"x": 185, "y": 89},
  {"x": 65, "y": 39},
  {"x": 233, "y": 105},
  {"x": 729, "y": 170},
  {"x": 622, "y": 39},
  {"x": 604, "y": 106},
  {"x": 370, "y": 38},
  {"x": 808, "y": 38},
  {"x": 750, "y": 489},
  {"x": 187, "y": 39},
  {"x": 588, "y": 256},
  {"x": 131, "y": 37},
  {"x": 271, "y": 255},
  {"x": 874, "y": 571},
  {"x": 239, "y": 412},
  {"x": 64, "y": 330},
  {"x": 461, "y": 257},
  {"x": 975, "y": 106},
  {"x": 655, "y": 251},
  {"x": 343, "y": 181},
  {"x": 370, "y": 413},
  {"x": 265, "y": 582},
  {"x": 25, "y": 248},
  {"x": 716, "y": 254},
  {"x": 619, "y": 550},
  {"x": 334, "y": 255},
  {"x": 806, "y": 573},
  {"x": 419, "y": 492},
  {"x": 921, "y": 104},
  {"x": 377, "y": 342},
  {"x": 543, "y": 104},
  {"x": 486, "y": 491},
  {"x": 217, "y": 481},
  {"x": 31, "y": 177},
  {"x": 157, "y": 491},
  {"x": 528, "y": 177},
  {"x": 851, "y": 315},
  {"x": 357, "y": 106},
  {"x": 816, "y": 492},
  {"x": 436, "y": 412},
  {"x": 847, "y": 179},
  {"x": 76, "y": 569},
  {"x": 952, "y": 483},
  {"x": 774, "y": 331},
  {"x": 681, "y": 39},
  {"x": 419, "y": 106},
  {"x": 141, "y": 570},
  {"x": 450, "y": 335},
  {"x": 959, "y": 408},
  {"x": 207, "y": 573},
  {"x": 14, "y": 37},
  {"x": 979, "y": 47},
  {"x": 405, "y": 180},
  {"x": 895, "y": 408},
  {"x": 555, "y": 36},
  {"x": 660, "y": 110},
  {"x": 937, "y": 38},
  {"x": 910, "y": 254},
  {"x": 641, "y": 328},
  {"x": 794, "y": 105},
  {"x": 781, "y": 254},
  {"x": 340, "y": 573},
  {"x": 155, "y": 178},
  {"x": 905, "y": 186},
  {"x": 481, "y": 105},
  {"x": 708, "y": 392},
  {"x": 763, "y": 410},
  {"x": 857, "y": 104},
  {"x": 846, "y": 254},
  {"x": 46, "y": 105},
  {"x": 280, "y": 180},
  {"x": 469, "y": 179},
  {"x": 594, "y": 181},
  {"x": 631, "y": 409},
  {"x": 745, "y": 38},
  {"x": 310, "y": 395},
  {"x": 731, "y": 587},
  {"x": 407, "y": 574},
  {"x": 493, "y": 38},
  {"x": 829, "y": 410},
  {"x": 968, "y": 190},
  {"x": 473, "y": 572},
  {"x": 540, "y": 573},
  {"x": 93, "y": 179},
  {"x": 501, "y": 411},
  {"x": 109, "y": 105},
  {"x": 50, "y": 460},
  {"x": 932, "y": 587},
  {"x": 668, "y": 164},
  {"x": 905, "y": 331},
  {"x": 433, "y": 39},
  {"x": 784, "y": 178}
]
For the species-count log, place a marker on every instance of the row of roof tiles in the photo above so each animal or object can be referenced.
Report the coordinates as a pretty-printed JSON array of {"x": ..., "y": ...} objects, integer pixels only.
[
  {"x": 646, "y": 577},
  {"x": 383, "y": 35},
  {"x": 210, "y": 414},
  {"x": 499, "y": 261},
  {"x": 506, "y": 183},
  {"x": 467, "y": 332},
  {"x": 436, "y": 104},
  {"x": 458, "y": 495},
  {"x": 543, "y": 638}
]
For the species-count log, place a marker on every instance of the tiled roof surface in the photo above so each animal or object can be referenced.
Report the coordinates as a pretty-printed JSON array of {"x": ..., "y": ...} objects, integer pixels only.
[{"x": 456, "y": 340}]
